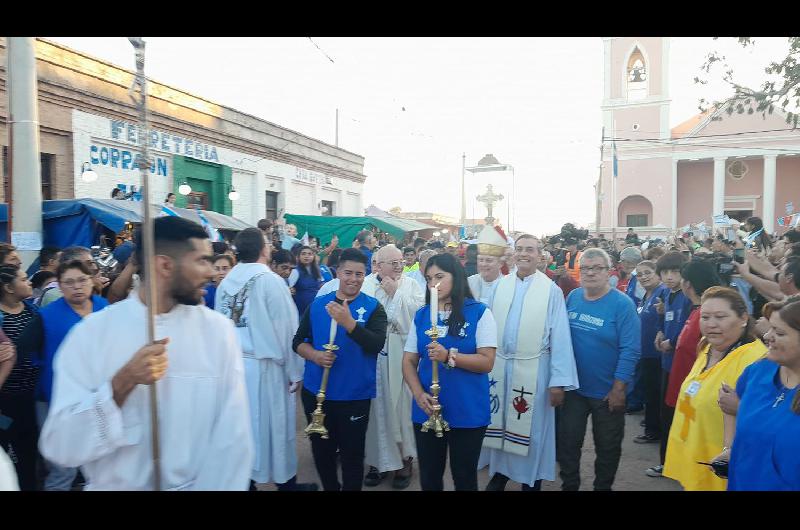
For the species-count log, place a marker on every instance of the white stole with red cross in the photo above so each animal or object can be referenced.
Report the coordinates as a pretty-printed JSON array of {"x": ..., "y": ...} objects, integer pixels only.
[{"x": 512, "y": 415}]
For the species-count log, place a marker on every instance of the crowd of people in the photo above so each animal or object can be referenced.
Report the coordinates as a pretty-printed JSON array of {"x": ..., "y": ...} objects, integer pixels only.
[{"x": 530, "y": 338}]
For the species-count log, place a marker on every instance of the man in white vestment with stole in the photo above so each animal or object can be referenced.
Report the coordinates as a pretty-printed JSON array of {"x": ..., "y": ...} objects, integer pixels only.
[
  {"x": 258, "y": 302},
  {"x": 491, "y": 247},
  {"x": 390, "y": 444},
  {"x": 534, "y": 366}
]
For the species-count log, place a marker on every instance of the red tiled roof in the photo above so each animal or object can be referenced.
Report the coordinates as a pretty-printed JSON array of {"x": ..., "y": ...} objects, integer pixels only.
[{"x": 682, "y": 129}]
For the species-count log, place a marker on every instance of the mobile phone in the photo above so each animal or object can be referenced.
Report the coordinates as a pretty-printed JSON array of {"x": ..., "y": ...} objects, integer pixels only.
[
  {"x": 561, "y": 258},
  {"x": 719, "y": 467},
  {"x": 738, "y": 255}
]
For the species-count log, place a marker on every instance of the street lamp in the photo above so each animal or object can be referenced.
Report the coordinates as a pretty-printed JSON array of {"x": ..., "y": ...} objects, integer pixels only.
[
  {"x": 233, "y": 195},
  {"x": 184, "y": 189},
  {"x": 488, "y": 164}
]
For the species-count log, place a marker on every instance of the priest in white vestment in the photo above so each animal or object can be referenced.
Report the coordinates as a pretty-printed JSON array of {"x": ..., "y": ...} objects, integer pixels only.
[
  {"x": 535, "y": 365},
  {"x": 491, "y": 247},
  {"x": 390, "y": 444},
  {"x": 261, "y": 308},
  {"x": 99, "y": 415}
]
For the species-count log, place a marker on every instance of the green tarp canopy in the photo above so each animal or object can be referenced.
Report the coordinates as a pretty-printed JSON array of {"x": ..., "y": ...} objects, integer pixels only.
[{"x": 324, "y": 227}]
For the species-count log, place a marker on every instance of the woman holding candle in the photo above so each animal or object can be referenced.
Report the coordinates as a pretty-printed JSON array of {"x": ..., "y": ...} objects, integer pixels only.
[{"x": 464, "y": 350}]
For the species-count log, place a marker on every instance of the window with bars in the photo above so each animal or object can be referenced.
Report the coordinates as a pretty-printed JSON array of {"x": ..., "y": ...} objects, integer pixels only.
[
  {"x": 636, "y": 220},
  {"x": 272, "y": 206}
]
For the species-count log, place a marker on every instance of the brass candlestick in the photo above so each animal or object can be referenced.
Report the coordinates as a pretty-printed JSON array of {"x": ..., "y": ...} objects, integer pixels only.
[
  {"x": 317, "y": 425},
  {"x": 435, "y": 421}
]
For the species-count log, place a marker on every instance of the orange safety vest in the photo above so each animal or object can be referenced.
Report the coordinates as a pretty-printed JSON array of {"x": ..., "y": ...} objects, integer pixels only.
[{"x": 574, "y": 272}]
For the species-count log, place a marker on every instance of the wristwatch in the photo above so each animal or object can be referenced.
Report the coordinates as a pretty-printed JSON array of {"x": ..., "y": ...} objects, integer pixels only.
[{"x": 451, "y": 359}]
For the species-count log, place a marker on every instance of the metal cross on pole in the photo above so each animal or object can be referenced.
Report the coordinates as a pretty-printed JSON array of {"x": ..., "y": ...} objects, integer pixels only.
[
  {"x": 488, "y": 199},
  {"x": 148, "y": 236}
]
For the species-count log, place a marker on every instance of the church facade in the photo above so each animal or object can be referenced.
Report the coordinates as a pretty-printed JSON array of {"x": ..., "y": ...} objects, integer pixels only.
[{"x": 667, "y": 178}]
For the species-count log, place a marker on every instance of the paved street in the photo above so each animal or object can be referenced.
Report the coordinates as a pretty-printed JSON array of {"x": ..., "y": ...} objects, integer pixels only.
[{"x": 630, "y": 476}]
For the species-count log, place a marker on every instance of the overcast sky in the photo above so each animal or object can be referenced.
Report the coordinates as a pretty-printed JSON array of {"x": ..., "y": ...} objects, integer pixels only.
[{"x": 532, "y": 102}]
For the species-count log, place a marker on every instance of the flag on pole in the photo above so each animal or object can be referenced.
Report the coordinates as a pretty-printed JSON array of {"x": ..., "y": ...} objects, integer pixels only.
[
  {"x": 614, "y": 157},
  {"x": 304, "y": 239},
  {"x": 166, "y": 211},
  {"x": 212, "y": 232}
]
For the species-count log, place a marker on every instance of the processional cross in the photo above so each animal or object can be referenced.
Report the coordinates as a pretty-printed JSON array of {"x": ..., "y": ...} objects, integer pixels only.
[{"x": 488, "y": 199}]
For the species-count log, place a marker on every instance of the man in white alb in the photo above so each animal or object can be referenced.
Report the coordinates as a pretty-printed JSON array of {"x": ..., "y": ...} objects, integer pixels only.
[
  {"x": 390, "y": 444},
  {"x": 99, "y": 415},
  {"x": 261, "y": 308},
  {"x": 534, "y": 366}
]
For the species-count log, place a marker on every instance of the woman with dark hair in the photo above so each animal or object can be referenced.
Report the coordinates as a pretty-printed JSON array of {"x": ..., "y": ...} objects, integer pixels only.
[
  {"x": 466, "y": 349},
  {"x": 761, "y": 436},
  {"x": 758, "y": 238},
  {"x": 728, "y": 346},
  {"x": 306, "y": 278},
  {"x": 17, "y": 397},
  {"x": 171, "y": 198}
]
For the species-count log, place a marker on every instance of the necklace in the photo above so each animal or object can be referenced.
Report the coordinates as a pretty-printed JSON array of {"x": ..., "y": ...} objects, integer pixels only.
[{"x": 784, "y": 389}]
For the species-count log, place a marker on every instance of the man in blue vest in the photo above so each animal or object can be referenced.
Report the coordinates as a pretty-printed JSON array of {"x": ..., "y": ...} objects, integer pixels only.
[{"x": 360, "y": 335}]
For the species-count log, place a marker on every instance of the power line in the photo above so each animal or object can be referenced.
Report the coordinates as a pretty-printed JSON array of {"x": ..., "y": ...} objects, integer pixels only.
[
  {"x": 700, "y": 136},
  {"x": 321, "y": 50}
]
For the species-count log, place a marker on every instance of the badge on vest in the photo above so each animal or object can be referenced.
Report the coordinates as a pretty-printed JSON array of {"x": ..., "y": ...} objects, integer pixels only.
[
  {"x": 693, "y": 388},
  {"x": 360, "y": 311},
  {"x": 669, "y": 316}
]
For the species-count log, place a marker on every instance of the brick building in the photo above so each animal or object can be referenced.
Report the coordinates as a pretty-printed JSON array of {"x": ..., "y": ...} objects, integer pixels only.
[{"x": 87, "y": 119}]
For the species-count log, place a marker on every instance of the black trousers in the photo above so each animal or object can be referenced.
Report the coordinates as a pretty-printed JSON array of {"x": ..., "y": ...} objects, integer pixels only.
[
  {"x": 607, "y": 429},
  {"x": 346, "y": 422},
  {"x": 651, "y": 379},
  {"x": 667, "y": 413},
  {"x": 22, "y": 436},
  {"x": 465, "y": 450}
]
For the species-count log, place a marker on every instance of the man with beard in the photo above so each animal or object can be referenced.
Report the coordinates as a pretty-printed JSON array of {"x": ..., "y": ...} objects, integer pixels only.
[
  {"x": 258, "y": 302},
  {"x": 99, "y": 415}
]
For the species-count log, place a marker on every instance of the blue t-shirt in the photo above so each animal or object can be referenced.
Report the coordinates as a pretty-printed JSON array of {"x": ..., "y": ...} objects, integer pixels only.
[
  {"x": 368, "y": 253},
  {"x": 676, "y": 312},
  {"x": 606, "y": 339},
  {"x": 765, "y": 454},
  {"x": 58, "y": 318},
  {"x": 651, "y": 322},
  {"x": 211, "y": 293}
]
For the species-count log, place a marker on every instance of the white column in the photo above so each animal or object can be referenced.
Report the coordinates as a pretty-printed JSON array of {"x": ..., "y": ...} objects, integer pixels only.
[
  {"x": 770, "y": 177},
  {"x": 674, "y": 195},
  {"x": 719, "y": 186}
]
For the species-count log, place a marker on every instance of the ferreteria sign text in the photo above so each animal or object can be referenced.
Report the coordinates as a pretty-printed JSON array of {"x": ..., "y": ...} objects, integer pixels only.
[{"x": 161, "y": 141}]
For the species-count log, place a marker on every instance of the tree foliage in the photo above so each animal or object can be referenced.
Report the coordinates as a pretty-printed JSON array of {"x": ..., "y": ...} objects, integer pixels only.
[{"x": 782, "y": 90}]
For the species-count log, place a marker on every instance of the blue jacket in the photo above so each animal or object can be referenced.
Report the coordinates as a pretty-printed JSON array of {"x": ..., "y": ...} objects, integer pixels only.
[
  {"x": 651, "y": 321},
  {"x": 368, "y": 253},
  {"x": 675, "y": 314}
]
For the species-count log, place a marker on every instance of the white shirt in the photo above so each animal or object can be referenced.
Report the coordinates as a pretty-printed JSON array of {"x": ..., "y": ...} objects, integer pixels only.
[{"x": 204, "y": 419}]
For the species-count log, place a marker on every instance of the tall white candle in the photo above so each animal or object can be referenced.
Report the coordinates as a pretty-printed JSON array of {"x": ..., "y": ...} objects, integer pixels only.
[
  {"x": 435, "y": 305},
  {"x": 333, "y": 331}
]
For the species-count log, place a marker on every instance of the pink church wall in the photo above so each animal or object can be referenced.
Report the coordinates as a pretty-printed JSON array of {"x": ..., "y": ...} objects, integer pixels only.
[
  {"x": 634, "y": 205},
  {"x": 751, "y": 184},
  {"x": 695, "y": 191},
  {"x": 650, "y": 178},
  {"x": 737, "y": 123},
  {"x": 788, "y": 185},
  {"x": 648, "y": 119}
]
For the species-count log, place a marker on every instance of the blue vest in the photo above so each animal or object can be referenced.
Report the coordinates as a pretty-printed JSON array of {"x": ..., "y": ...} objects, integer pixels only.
[
  {"x": 352, "y": 376},
  {"x": 58, "y": 318},
  {"x": 464, "y": 395},
  {"x": 306, "y": 289}
]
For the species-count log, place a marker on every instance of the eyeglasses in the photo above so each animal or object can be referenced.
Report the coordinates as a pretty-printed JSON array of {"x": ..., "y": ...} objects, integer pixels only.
[
  {"x": 76, "y": 283},
  {"x": 594, "y": 270},
  {"x": 395, "y": 264}
]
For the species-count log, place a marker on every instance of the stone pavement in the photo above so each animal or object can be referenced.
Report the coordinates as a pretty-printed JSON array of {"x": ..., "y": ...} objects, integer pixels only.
[{"x": 636, "y": 458}]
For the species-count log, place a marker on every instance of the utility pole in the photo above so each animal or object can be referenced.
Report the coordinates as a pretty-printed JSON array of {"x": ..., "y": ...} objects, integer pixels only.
[
  {"x": 25, "y": 179},
  {"x": 599, "y": 209}
]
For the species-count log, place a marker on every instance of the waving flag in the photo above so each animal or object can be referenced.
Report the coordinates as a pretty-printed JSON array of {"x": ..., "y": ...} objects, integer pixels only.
[{"x": 212, "y": 232}]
